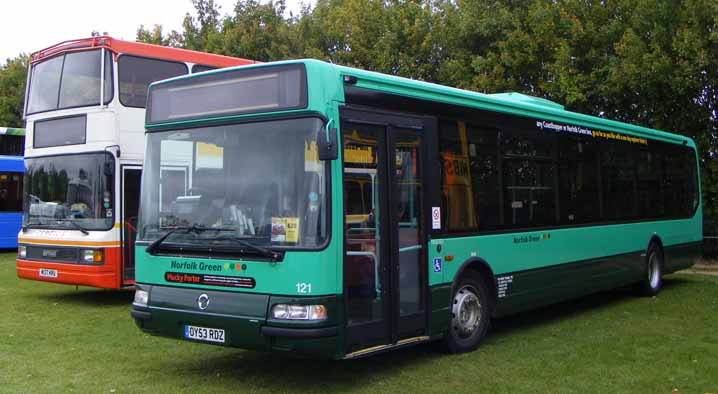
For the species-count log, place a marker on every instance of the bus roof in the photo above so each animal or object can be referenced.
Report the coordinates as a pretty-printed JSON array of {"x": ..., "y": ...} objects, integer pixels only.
[
  {"x": 11, "y": 131},
  {"x": 511, "y": 103},
  {"x": 140, "y": 49}
]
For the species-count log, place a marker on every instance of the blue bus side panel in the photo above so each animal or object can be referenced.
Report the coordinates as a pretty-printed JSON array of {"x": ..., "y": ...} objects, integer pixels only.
[
  {"x": 10, "y": 223},
  {"x": 12, "y": 164}
]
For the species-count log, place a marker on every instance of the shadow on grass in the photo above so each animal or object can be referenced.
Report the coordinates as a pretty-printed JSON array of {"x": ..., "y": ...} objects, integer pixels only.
[
  {"x": 278, "y": 372},
  {"x": 89, "y": 297},
  {"x": 282, "y": 373},
  {"x": 570, "y": 309}
]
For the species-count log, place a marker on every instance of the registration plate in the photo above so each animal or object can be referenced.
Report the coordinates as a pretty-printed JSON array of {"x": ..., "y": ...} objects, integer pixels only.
[
  {"x": 47, "y": 273},
  {"x": 205, "y": 334}
]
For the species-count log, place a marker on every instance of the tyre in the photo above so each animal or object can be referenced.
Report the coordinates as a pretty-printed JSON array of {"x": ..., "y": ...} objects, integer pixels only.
[
  {"x": 470, "y": 314},
  {"x": 652, "y": 280}
]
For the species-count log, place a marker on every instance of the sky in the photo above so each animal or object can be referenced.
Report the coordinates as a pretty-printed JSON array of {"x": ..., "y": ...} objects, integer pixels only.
[{"x": 30, "y": 25}]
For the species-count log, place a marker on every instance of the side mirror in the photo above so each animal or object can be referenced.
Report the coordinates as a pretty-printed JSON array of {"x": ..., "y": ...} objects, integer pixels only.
[{"x": 327, "y": 145}]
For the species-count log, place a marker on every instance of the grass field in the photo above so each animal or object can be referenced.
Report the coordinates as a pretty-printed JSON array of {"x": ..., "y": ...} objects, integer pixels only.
[{"x": 55, "y": 339}]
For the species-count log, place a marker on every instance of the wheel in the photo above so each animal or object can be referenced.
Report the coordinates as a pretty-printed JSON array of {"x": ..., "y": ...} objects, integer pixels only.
[
  {"x": 470, "y": 314},
  {"x": 652, "y": 280}
]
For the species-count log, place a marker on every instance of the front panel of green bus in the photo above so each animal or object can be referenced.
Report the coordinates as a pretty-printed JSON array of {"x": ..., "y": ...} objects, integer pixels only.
[{"x": 234, "y": 245}]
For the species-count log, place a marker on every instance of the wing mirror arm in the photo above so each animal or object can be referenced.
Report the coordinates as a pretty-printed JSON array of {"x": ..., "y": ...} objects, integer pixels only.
[{"x": 327, "y": 144}]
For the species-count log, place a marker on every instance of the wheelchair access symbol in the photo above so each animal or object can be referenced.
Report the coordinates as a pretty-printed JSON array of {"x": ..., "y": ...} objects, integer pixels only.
[{"x": 437, "y": 264}]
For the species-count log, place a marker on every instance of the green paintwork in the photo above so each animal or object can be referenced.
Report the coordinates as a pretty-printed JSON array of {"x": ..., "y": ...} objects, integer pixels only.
[
  {"x": 241, "y": 315},
  {"x": 12, "y": 131},
  {"x": 505, "y": 253},
  {"x": 315, "y": 267}
]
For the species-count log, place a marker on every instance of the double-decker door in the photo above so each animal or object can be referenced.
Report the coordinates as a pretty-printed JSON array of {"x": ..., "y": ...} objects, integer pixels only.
[{"x": 384, "y": 229}]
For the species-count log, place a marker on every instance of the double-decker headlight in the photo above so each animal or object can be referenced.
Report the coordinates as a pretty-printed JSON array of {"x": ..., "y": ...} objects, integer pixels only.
[
  {"x": 141, "y": 297},
  {"x": 22, "y": 251},
  {"x": 299, "y": 312},
  {"x": 92, "y": 256}
]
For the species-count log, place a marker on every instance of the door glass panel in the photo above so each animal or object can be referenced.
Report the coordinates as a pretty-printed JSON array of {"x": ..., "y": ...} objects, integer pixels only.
[
  {"x": 407, "y": 205},
  {"x": 363, "y": 270},
  {"x": 130, "y": 204}
]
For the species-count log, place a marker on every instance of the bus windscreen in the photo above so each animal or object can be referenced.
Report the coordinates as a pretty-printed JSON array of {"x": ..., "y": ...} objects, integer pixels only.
[{"x": 231, "y": 92}]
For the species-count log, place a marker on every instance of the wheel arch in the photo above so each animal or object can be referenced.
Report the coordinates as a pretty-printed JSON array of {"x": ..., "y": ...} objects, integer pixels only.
[
  {"x": 483, "y": 269},
  {"x": 656, "y": 239}
]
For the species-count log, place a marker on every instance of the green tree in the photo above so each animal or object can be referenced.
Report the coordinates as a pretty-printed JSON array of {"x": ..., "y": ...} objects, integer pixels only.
[
  {"x": 158, "y": 37},
  {"x": 12, "y": 91}
]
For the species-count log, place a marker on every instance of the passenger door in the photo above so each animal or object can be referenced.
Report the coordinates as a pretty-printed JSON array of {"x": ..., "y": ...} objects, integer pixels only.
[
  {"x": 130, "y": 206},
  {"x": 384, "y": 229}
]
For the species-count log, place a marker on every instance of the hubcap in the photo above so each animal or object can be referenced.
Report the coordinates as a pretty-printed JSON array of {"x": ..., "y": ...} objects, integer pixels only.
[
  {"x": 654, "y": 271},
  {"x": 466, "y": 312}
]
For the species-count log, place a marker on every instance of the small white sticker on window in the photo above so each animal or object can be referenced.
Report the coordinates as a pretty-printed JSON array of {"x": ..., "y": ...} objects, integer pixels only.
[{"x": 436, "y": 218}]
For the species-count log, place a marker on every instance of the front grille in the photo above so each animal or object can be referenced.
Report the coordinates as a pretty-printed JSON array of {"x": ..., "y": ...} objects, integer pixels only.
[{"x": 51, "y": 253}]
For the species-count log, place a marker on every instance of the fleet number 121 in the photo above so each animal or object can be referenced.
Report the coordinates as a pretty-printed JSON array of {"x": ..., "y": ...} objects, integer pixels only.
[{"x": 304, "y": 288}]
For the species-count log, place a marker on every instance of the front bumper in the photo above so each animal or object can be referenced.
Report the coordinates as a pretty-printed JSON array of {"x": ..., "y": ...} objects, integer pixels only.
[{"x": 243, "y": 317}]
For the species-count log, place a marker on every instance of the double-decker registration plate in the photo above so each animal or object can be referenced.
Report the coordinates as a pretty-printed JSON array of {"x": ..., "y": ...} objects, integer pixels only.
[
  {"x": 48, "y": 273},
  {"x": 204, "y": 334}
]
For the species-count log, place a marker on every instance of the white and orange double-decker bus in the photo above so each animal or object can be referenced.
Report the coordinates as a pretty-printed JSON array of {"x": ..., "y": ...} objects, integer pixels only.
[{"x": 84, "y": 111}]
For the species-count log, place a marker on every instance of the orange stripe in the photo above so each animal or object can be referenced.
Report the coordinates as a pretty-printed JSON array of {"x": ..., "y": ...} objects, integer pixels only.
[
  {"x": 66, "y": 243},
  {"x": 140, "y": 49}
]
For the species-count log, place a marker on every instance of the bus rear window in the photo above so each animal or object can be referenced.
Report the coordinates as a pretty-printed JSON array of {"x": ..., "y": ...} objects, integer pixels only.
[
  {"x": 235, "y": 92},
  {"x": 137, "y": 73}
]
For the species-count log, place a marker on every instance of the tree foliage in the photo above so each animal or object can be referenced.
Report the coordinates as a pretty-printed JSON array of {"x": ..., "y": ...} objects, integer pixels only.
[
  {"x": 647, "y": 62},
  {"x": 12, "y": 91}
]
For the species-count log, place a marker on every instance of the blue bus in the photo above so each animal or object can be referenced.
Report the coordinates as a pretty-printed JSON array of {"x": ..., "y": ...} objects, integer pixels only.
[{"x": 12, "y": 169}]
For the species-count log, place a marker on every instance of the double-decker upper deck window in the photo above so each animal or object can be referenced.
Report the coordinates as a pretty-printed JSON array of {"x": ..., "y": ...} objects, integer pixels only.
[
  {"x": 233, "y": 92},
  {"x": 69, "y": 80},
  {"x": 137, "y": 73}
]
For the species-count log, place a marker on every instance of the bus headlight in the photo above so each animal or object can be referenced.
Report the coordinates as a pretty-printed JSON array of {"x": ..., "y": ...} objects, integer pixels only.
[
  {"x": 22, "y": 251},
  {"x": 141, "y": 297},
  {"x": 93, "y": 256},
  {"x": 299, "y": 312}
]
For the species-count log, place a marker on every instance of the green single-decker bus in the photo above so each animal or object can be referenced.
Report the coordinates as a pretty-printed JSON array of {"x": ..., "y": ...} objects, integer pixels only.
[{"x": 316, "y": 209}]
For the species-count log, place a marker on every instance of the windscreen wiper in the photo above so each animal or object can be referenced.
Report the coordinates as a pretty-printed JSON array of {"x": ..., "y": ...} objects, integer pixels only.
[
  {"x": 76, "y": 225},
  {"x": 260, "y": 250},
  {"x": 152, "y": 249}
]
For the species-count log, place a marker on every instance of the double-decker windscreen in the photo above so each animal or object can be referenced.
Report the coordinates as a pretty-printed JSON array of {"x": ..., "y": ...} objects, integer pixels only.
[
  {"x": 222, "y": 187},
  {"x": 227, "y": 93},
  {"x": 69, "y": 192},
  {"x": 69, "y": 80}
]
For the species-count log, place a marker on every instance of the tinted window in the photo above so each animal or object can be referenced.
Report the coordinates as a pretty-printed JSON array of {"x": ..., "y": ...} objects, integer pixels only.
[
  {"x": 483, "y": 152},
  {"x": 70, "y": 80},
  {"x": 457, "y": 191},
  {"x": 679, "y": 183},
  {"x": 58, "y": 132},
  {"x": 649, "y": 173},
  {"x": 12, "y": 145},
  {"x": 10, "y": 192},
  {"x": 578, "y": 180},
  {"x": 198, "y": 68},
  {"x": 618, "y": 181},
  {"x": 516, "y": 177},
  {"x": 529, "y": 183},
  {"x": 137, "y": 73}
]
